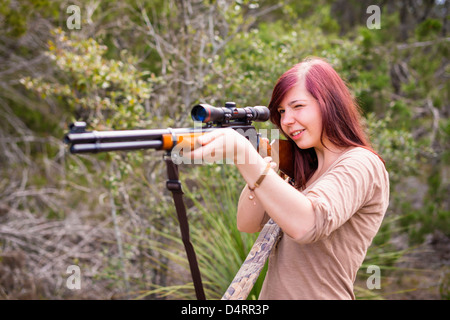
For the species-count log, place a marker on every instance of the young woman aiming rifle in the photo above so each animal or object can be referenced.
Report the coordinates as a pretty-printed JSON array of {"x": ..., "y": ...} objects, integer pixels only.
[{"x": 334, "y": 208}]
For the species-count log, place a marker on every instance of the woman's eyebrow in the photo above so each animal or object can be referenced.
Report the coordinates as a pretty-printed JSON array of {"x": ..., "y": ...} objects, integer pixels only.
[
  {"x": 295, "y": 101},
  {"x": 292, "y": 102}
]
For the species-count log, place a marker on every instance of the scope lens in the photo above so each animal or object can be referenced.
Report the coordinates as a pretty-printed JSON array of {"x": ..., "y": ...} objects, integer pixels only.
[{"x": 199, "y": 113}]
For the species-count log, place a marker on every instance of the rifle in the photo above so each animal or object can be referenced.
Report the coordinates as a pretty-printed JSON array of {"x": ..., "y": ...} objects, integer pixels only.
[
  {"x": 175, "y": 139},
  {"x": 240, "y": 119}
]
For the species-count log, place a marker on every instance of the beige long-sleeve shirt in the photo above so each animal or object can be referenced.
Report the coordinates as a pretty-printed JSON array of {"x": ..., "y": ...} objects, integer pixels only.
[{"x": 350, "y": 200}]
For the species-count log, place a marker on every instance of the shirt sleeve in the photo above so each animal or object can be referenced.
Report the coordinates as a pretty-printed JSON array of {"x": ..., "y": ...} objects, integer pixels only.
[{"x": 341, "y": 192}]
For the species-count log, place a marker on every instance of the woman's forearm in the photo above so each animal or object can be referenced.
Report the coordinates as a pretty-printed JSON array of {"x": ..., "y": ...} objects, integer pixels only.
[
  {"x": 250, "y": 212},
  {"x": 287, "y": 206}
]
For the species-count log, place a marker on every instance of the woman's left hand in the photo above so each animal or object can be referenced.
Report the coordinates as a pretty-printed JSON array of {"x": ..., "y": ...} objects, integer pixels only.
[{"x": 220, "y": 145}]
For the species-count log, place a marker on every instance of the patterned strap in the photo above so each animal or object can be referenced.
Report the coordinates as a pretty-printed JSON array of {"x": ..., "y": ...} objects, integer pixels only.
[{"x": 247, "y": 275}]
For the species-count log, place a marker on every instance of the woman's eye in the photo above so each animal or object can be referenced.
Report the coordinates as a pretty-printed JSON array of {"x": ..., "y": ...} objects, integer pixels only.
[
  {"x": 280, "y": 111},
  {"x": 299, "y": 106}
]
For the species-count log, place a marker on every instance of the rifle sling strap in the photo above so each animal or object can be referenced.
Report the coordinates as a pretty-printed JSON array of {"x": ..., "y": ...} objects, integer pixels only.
[{"x": 174, "y": 185}]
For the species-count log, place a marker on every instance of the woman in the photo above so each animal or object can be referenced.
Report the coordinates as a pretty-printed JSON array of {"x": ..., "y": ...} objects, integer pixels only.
[{"x": 331, "y": 213}]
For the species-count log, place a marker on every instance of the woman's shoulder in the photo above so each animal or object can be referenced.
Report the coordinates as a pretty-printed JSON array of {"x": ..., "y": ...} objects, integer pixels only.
[
  {"x": 361, "y": 153},
  {"x": 362, "y": 157}
]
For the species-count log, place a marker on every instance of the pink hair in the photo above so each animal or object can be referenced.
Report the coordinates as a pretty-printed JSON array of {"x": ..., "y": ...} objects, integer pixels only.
[{"x": 341, "y": 115}]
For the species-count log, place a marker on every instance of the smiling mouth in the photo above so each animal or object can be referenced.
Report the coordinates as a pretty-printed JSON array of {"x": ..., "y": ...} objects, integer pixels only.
[{"x": 297, "y": 133}]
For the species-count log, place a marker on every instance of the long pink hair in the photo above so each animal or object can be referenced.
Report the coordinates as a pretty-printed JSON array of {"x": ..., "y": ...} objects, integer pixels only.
[{"x": 341, "y": 114}]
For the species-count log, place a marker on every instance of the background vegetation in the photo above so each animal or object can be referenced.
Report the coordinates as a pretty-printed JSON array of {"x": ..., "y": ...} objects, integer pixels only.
[{"x": 144, "y": 64}]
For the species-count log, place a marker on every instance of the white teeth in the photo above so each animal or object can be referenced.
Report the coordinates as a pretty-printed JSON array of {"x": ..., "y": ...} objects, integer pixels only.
[{"x": 297, "y": 132}]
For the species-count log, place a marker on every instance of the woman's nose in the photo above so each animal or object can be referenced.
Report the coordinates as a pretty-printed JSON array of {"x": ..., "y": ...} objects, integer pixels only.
[{"x": 287, "y": 118}]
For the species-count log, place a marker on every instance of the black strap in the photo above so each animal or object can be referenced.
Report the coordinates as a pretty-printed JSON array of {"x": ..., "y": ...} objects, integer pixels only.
[{"x": 173, "y": 184}]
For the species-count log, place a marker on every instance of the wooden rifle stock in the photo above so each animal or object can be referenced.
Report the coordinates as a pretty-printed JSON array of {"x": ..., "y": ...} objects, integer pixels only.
[{"x": 281, "y": 152}]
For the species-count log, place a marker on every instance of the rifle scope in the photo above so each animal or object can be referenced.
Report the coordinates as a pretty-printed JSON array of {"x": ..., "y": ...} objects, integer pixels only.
[{"x": 207, "y": 113}]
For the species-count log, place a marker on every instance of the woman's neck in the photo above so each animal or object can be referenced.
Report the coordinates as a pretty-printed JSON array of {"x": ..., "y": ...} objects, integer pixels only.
[{"x": 326, "y": 156}]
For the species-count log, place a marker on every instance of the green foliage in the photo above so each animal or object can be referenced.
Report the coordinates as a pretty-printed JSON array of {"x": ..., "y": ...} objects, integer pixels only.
[
  {"x": 397, "y": 146},
  {"x": 430, "y": 28},
  {"x": 97, "y": 90},
  {"x": 16, "y": 15}
]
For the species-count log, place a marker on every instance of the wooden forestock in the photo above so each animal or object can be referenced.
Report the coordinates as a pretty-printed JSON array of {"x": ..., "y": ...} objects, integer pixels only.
[{"x": 281, "y": 152}]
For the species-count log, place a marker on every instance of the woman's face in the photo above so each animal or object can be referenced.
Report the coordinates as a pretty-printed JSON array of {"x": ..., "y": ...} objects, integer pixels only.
[{"x": 301, "y": 119}]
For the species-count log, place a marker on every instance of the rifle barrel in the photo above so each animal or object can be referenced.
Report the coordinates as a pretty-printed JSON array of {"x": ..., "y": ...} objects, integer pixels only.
[
  {"x": 116, "y": 136},
  {"x": 115, "y": 146},
  {"x": 124, "y": 140}
]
